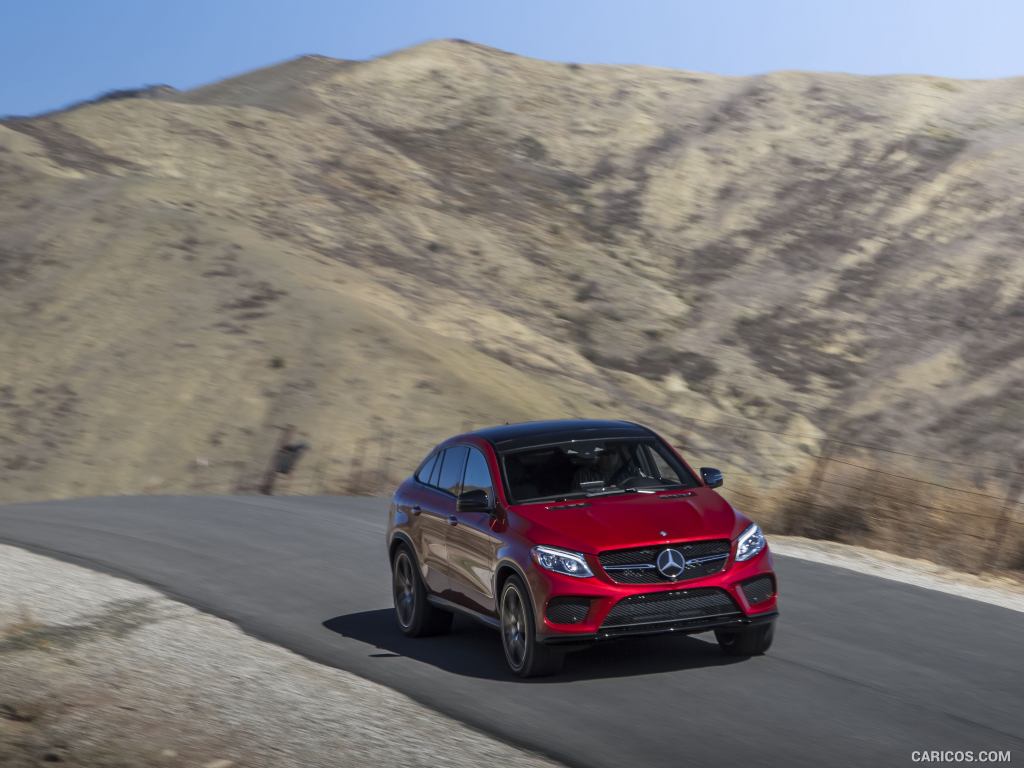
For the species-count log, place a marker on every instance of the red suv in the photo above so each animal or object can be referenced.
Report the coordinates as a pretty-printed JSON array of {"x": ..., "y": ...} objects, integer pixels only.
[{"x": 563, "y": 533}]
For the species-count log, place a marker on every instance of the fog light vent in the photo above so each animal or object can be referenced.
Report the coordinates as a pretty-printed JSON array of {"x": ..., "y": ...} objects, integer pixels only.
[
  {"x": 568, "y": 610},
  {"x": 759, "y": 589}
]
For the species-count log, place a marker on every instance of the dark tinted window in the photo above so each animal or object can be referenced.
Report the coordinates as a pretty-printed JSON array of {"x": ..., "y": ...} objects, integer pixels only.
[
  {"x": 436, "y": 471},
  {"x": 428, "y": 466},
  {"x": 584, "y": 467},
  {"x": 478, "y": 477},
  {"x": 451, "y": 469}
]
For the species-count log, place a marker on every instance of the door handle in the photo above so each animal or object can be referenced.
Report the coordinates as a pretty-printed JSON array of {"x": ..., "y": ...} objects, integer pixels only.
[
  {"x": 416, "y": 509},
  {"x": 453, "y": 520}
]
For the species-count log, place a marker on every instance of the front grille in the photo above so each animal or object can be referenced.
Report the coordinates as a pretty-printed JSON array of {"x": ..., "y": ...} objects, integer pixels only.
[
  {"x": 703, "y": 558},
  {"x": 665, "y": 607},
  {"x": 568, "y": 610},
  {"x": 758, "y": 590}
]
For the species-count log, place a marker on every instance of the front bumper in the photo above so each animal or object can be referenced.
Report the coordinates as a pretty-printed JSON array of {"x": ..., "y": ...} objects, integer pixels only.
[
  {"x": 681, "y": 627},
  {"x": 574, "y": 611}
]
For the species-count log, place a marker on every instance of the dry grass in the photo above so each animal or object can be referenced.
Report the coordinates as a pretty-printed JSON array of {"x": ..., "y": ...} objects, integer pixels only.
[{"x": 958, "y": 529}]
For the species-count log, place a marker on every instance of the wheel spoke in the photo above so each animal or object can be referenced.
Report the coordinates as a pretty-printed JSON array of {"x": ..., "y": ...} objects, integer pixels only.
[
  {"x": 404, "y": 590},
  {"x": 514, "y": 628}
]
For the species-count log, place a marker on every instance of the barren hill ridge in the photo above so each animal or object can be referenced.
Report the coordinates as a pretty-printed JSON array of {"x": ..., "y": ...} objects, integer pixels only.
[{"x": 385, "y": 252}]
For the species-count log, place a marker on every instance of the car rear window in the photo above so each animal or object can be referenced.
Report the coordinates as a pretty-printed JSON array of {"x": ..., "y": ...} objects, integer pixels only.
[
  {"x": 423, "y": 474},
  {"x": 436, "y": 471}
]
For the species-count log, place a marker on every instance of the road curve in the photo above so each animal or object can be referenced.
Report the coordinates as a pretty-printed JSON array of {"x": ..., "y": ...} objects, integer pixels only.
[{"x": 864, "y": 670}]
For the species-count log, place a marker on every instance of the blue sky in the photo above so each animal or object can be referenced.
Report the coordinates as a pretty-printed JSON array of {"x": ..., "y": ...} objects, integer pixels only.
[{"x": 53, "y": 52}]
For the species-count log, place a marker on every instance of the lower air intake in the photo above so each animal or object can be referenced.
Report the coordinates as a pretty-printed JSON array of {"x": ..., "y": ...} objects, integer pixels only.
[
  {"x": 676, "y": 606},
  {"x": 758, "y": 590},
  {"x": 568, "y": 610}
]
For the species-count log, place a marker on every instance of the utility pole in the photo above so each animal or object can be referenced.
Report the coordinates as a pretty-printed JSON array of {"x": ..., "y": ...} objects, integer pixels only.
[
  {"x": 383, "y": 463},
  {"x": 1012, "y": 498},
  {"x": 270, "y": 474},
  {"x": 357, "y": 470},
  {"x": 814, "y": 482}
]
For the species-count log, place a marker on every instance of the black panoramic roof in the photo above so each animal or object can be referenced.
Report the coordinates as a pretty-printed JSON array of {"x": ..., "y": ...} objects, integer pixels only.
[{"x": 528, "y": 433}]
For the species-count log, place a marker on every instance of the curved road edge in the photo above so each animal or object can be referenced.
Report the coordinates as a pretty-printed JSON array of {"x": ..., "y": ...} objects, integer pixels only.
[
  {"x": 867, "y": 668},
  {"x": 994, "y": 590},
  {"x": 79, "y": 633}
]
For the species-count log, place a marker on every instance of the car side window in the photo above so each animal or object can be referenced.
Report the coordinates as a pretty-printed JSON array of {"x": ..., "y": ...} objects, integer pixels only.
[
  {"x": 423, "y": 475},
  {"x": 435, "y": 473},
  {"x": 452, "y": 468},
  {"x": 478, "y": 476}
]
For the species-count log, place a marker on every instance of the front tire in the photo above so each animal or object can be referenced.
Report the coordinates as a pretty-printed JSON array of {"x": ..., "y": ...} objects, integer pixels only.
[
  {"x": 416, "y": 616},
  {"x": 746, "y": 642},
  {"x": 525, "y": 656}
]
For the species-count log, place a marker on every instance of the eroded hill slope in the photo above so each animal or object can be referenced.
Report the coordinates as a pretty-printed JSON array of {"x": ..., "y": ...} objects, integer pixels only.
[{"x": 383, "y": 252}]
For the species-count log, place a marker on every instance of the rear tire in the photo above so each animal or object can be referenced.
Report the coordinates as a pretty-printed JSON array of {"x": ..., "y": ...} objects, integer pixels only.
[
  {"x": 525, "y": 656},
  {"x": 746, "y": 642},
  {"x": 416, "y": 616}
]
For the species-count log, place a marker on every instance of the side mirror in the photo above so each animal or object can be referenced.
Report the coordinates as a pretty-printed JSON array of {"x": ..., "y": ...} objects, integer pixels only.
[
  {"x": 473, "y": 501},
  {"x": 712, "y": 477}
]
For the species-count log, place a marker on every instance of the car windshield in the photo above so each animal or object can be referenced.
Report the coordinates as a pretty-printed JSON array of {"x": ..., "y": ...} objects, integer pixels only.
[{"x": 580, "y": 468}]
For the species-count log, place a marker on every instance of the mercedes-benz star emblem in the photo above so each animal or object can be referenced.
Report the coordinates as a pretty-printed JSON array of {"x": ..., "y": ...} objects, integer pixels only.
[{"x": 671, "y": 563}]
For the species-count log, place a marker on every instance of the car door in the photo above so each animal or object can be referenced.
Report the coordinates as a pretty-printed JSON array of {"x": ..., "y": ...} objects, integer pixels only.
[
  {"x": 472, "y": 544},
  {"x": 429, "y": 508}
]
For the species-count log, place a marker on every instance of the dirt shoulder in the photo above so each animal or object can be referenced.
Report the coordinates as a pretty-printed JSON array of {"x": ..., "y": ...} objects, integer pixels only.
[{"x": 101, "y": 672}]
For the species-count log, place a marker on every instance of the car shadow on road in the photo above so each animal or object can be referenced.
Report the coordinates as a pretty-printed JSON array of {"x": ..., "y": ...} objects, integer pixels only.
[{"x": 474, "y": 650}]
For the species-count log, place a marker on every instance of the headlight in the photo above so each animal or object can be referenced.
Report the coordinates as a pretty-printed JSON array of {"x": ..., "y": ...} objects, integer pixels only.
[
  {"x": 750, "y": 542},
  {"x": 561, "y": 561}
]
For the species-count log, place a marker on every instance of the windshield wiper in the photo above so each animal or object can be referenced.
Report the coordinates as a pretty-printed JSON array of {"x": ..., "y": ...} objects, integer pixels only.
[
  {"x": 563, "y": 497},
  {"x": 611, "y": 492},
  {"x": 655, "y": 488}
]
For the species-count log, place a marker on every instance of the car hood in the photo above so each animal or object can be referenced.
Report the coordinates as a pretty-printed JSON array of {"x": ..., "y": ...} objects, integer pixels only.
[{"x": 633, "y": 520}]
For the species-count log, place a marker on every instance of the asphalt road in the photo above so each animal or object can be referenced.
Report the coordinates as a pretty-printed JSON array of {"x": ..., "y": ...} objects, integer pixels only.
[{"x": 863, "y": 672}]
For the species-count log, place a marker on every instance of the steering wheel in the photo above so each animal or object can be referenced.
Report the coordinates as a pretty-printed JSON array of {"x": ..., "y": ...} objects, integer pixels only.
[{"x": 629, "y": 479}]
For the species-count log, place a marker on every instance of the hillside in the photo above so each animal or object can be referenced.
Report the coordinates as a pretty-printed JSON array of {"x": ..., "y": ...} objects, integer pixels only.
[{"x": 452, "y": 235}]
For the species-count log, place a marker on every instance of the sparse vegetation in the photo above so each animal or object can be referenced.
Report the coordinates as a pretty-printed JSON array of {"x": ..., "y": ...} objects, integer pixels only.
[
  {"x": 533, "y": 148},
  {"x": 631, "y": 242},
  {"x": 972, "y": 530}
]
